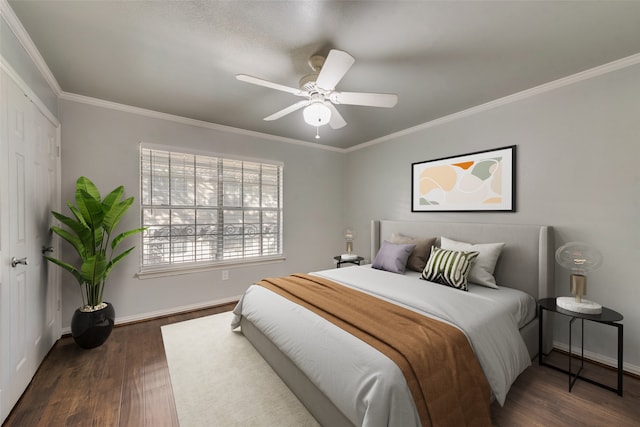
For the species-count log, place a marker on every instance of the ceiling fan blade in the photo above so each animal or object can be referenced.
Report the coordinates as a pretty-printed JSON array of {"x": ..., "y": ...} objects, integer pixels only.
[
  {"x": 335, "y": 67},
  {"x": 336, "y": 121},
  {"x": 386, "y": 100},
  {"x": 271, "y": 85},
  {"x": 290, "y": 109}
]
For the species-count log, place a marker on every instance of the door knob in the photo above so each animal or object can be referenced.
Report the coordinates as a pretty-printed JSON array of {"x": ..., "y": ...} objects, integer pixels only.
[
  {"x": 46, "y": 249},
  {"x": 15, "y": 261}
]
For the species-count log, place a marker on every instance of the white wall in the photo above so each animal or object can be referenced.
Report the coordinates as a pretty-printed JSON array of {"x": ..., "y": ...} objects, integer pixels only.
[
  {"x": 578, "y": 154},
  {"x": 103, "y": 143}
]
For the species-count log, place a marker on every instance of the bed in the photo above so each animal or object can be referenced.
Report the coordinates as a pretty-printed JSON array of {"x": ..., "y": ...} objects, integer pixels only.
[{"x": 317, "y": 362}]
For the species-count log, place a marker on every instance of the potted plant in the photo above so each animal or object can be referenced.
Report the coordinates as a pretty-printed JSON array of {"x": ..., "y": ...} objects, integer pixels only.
[{"x": 90, "y": 232}]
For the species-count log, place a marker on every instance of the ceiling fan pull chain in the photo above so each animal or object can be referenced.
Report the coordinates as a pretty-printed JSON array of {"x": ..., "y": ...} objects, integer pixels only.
[{"x": 317, "y": 132}]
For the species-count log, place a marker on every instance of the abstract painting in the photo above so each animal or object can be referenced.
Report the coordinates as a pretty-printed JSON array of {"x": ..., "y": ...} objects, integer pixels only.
[{"x": 480, "y": 181}]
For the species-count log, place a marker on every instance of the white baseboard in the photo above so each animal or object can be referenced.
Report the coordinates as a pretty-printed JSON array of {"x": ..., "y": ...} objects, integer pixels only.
[
  {"x": 605, "y": 360},
  {"x": 166, "y": 312}
]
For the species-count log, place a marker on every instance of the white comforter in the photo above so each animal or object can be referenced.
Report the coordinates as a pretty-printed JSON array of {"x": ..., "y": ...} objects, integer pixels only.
[{"x": 364, "y": 384}]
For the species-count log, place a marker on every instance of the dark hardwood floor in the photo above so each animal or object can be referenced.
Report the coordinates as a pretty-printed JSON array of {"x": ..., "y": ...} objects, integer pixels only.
[
  {"x": 540, "y": 397},
  {"x": 125, "y": 382}
]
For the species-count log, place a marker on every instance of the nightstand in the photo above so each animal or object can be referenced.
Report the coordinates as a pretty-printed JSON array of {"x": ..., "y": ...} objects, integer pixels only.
[
  {"x": 341, "y": 261},
  {"x": 607, "y": 317}
]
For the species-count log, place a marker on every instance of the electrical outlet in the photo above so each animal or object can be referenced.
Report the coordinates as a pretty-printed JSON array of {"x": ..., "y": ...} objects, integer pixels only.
[{"x": 225, "y": 274}]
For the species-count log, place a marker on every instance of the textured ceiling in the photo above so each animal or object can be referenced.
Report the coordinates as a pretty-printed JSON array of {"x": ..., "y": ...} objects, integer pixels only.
[{"x": 440, "y": 57}]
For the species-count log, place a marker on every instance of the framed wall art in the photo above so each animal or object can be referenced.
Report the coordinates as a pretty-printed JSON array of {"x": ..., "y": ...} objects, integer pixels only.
[{"x": 480, "y": 181}]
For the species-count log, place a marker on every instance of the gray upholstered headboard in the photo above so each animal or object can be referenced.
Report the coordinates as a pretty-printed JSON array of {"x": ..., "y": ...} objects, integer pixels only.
[{"x": 526, "y": 262}]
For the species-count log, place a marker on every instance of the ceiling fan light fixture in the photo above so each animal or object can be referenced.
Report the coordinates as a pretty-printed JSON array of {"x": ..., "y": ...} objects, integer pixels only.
[
  {"x": 317, "y": 114},
  {"x": 319, "y": 90}
]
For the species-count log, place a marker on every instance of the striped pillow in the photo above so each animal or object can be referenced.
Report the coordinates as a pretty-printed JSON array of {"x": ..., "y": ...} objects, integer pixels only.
[{"x": 448, "y": 267}]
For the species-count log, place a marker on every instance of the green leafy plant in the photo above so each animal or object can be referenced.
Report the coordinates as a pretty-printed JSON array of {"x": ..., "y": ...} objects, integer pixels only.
[{"x": 90, "y": 233}]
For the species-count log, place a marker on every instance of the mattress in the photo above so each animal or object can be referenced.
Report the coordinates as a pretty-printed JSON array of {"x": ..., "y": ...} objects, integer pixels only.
[
  {"x": 329, "y": 356},
  {"x": 521, "y": 305}
]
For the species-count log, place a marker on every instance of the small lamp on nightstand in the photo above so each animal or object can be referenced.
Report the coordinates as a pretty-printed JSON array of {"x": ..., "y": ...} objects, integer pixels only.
[
  {"x": 579, "y": 258},
  {"x": 349, "y": 234}
]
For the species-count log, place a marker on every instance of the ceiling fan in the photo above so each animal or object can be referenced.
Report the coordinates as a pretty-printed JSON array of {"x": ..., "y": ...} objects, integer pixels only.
[{"x": 319, "y": 92}]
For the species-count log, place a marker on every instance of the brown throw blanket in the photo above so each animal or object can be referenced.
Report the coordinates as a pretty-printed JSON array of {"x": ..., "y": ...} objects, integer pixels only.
[{"x": 443, "y": 374}]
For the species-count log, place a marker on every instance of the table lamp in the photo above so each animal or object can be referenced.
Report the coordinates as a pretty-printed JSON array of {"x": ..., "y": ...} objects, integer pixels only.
[
  {"x": 579, "y": 258},
  {"x": 349, "y": 235}
]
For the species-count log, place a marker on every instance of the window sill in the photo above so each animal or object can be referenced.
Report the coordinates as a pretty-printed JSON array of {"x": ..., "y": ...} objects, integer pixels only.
[{"x": 165, "y": 271}]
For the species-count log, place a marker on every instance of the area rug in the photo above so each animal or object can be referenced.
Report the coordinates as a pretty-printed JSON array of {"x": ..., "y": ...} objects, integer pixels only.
[{"x": 219, "y": 379}]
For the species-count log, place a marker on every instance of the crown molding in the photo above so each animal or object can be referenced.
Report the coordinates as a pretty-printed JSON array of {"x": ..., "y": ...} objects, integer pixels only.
[
  {"x": 25, "y": 40},
  {"x": 188, "y": 121},
  {"x": 13, "y": 75},
  {"x": 518, "y": 96}
]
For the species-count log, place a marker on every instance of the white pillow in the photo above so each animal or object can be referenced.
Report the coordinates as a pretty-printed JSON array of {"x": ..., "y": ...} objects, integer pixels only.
[{"x": 482, "y": 268}]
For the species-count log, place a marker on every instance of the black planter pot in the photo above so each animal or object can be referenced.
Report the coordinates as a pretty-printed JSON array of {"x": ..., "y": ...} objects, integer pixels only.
[{"x": 92, "y": 328}]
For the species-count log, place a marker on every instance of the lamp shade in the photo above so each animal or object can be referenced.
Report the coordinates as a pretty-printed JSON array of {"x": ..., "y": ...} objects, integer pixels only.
[
  {"x": 578, "y": 257},
  {"x": 349, "y": 234},
  {"x": 317, "y": 114}
]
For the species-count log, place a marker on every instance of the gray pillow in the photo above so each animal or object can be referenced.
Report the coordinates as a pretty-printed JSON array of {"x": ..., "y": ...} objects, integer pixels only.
[
  {"x": 420, "y": 254},
  {"x": 392, "y": 257}
]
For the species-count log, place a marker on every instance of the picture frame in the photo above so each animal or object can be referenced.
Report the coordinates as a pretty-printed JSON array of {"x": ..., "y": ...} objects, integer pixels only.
[{"x": 483, "y": 181}]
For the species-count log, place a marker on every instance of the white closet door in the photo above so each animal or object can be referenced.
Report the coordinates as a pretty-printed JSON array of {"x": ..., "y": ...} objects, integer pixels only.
[{"x": 28, "y": 290}]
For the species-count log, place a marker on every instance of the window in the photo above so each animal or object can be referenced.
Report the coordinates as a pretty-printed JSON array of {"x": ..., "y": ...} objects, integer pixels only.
[{"x": 204, "y": 209}]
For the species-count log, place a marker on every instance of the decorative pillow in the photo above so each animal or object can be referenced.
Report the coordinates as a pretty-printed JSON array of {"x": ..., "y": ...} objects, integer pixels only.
[
  {"x": 392, "y": 257},
  {"x": 420, "y": 254},
  {"x": 482, "y": 269},
  {"x": 449, "y": 267}
]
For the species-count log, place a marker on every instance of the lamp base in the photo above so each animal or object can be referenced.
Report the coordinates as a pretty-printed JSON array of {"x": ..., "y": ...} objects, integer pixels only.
[{"x": 586, "y": 306}]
